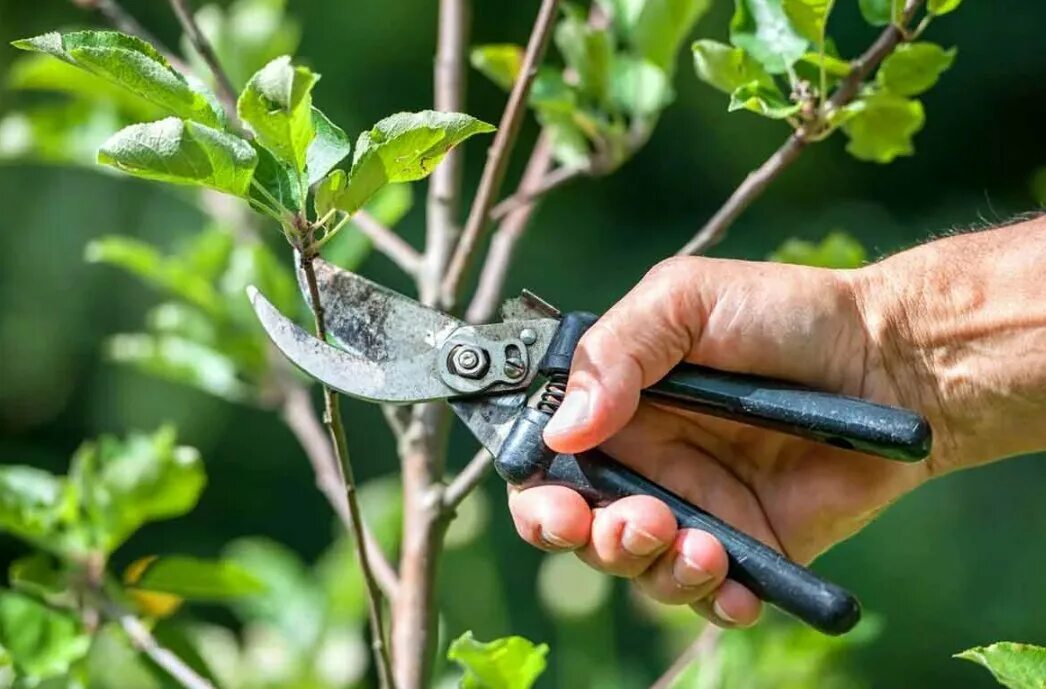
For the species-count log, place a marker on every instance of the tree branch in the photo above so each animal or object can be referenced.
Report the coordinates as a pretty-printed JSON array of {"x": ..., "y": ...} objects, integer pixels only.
[
  {"x": 444, "y": 198},
  {"x": 498, "y": 155},
  {"x": 757, "y": 181},
  {"x": 389, "y": 243},
  {"x": 554, "y": 179},
  {"x": 332, "y": 419},
  {"x": 503, "y": 245},
  {"x": 143, "y": 640},
  {"x": 226, "y": 92},
  {"x": 702, "y": 647},
  {"x": 300, "y": 416}
]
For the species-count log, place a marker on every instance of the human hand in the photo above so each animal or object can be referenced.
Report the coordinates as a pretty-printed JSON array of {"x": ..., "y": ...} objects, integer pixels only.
[{"x": 801, "y": 324}]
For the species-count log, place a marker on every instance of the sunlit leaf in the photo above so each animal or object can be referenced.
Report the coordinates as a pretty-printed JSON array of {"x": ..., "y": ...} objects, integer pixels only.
[
  {"x": 35, "y": 505},
  {"x": 881, "y": 127},
  {"x": 401, "y": 148},
  {"x": 127, "y": 483},
  {"x": 328, "y": 149},
  {"x": 763, "y": 30},
  {"x": 38, "y": 575},
  {"x": 181, "y": 360},
  {"x": 132, "y": 64},
  {"x": 277, "y": 104},
  {"x": 41, "y": 642},
  {"x": 940, "y": 7},
  {"x": 508, "y": 663},
  {"x": 727, "y": 68},
  {"x": 809, "y": 17},
  {"x": 1017, "y": 666},
  {"x": 764, "y": 100},
  {"x": 833, "y": 66},
  {"x": 351, "y": 247},
  {"x": 182, "y": 152},
  {"x": 878, "y": 12},
  {"x": 499, "y": 62},
  {"x": 196, "y": 579},
  {"x": 914, "y": 68},
  {"x": 656, "y": 29}
]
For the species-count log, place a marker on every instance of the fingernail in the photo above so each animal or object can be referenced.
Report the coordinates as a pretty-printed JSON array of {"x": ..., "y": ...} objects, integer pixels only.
[
  {"x": 572, "y": 413},
  {"x": 688, "y": 574},
  {"x": 638, "y": 542},
  {"x": 555, "y": 541},
  {"x": 718, "y": 611}
]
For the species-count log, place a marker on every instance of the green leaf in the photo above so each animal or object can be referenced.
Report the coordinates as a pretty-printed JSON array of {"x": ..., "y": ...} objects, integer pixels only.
[
  {"x": 656, "y": 28},
  {"x": 37, "y": 575},
  {"x": 881, "y": 127},
  {"x": 200, "y": 580},
  {"x": 36, "y": 506},
  {"x": 588, "y": 51},
  {"x": 878, "y": 12},
  {"x": 764, "y": 100},
  {"x": 638, "y": 88},
  {"x": 127, "y": 483},
  {"x": 400, "y": 148},
  {"x": 277, "y": 104},
  {"x": 182, "y": 152},
  {"x": 328, "y": 149},
  {"x": 551, "y": 95},
  {"x": 1017, "y": 666},
  {"x": 41, "y": 642},
  {"x": 809, "y": 17},
  {"x": 727, "y": 68},
  {"x": 350, "y": 247},
  {"x": 499, "y": 62},
  {"x": 43, "y": 73},
  {"x": 939, "y": 7},
  {"x": 254, "y": 263},
  {"x": 180, "y": 360},
  {"x": 131, "y": 63},
  {"x": 833, "y": 66},
  {"x": 508, "y": 663},
  {"x": 837, "y": 250},
  {"x": 276, "y": 183},
  {"x": 914, "y": 68},
  {"x": 171, "y": 275},
  {"x": 763, "y": 30},
  {"x": 67, "y": 132}
]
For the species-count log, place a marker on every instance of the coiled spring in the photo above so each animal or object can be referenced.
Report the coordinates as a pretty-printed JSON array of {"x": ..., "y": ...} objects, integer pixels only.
[{"x": 553, "y": 394}]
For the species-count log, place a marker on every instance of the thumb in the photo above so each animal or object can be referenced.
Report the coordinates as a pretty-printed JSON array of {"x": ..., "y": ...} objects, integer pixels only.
[{"x": 635, "y": 344}]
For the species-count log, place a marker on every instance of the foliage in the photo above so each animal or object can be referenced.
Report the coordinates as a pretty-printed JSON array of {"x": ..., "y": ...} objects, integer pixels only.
[
  {"x": 782, "y": 64},
  {"x": 1017, "y": 666},
  {"x": 836, "y": 250},
  {"x": 509, "y": 663}
]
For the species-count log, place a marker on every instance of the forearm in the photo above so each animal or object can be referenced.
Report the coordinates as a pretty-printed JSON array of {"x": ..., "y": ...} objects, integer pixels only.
[{"x": 960, "y": 327}]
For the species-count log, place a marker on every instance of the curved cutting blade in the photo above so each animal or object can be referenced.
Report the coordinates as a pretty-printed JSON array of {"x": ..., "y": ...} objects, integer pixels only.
[{"x": 372, "y": 369}]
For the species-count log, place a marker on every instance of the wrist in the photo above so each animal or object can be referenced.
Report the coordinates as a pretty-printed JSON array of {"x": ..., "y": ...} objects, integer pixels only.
[{"x": 958, "y": 328}]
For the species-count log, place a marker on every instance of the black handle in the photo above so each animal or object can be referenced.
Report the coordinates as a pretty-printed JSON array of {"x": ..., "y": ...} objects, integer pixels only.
[
  {"x": 846, "y": 422},
  {"x": 764, "y": 571},
  {"x": 525, "y": 460}
]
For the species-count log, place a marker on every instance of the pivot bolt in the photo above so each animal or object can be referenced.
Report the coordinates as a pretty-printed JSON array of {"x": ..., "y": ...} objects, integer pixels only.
[
  {"x": 528, "y": 336},
  {"x": 468, "y": 362}
]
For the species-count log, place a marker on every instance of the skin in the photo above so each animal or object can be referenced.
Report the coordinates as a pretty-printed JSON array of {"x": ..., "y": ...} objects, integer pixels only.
[{"x": 955, "y": 329}]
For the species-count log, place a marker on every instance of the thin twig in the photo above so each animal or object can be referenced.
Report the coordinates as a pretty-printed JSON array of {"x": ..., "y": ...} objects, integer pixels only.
[
  {"x": 503, "y": 245},
  {"x": 143, "y": 640},
  {"x": 757, "y": 181},
  {"x": 702, "y": 647},
  {"x": 444, "y": 199},
  {"x": 498, "y": 155},
  {"x": 226, "y": 91},
  {"x": 389, "y": 243},
  {"x": 559, "y": 177},
  {"x": 465, "y": 482},
  {"x": 299, "y": 414}
]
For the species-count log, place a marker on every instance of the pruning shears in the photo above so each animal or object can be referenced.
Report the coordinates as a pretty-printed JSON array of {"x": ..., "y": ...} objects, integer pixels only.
[{"x": 393, "y": 350}]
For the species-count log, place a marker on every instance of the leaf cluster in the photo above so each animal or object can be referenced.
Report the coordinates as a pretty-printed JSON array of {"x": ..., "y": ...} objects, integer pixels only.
[{"x": 782, "y": 64}]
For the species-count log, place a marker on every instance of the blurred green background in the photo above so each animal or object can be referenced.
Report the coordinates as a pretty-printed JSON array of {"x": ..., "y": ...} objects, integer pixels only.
[{"x": 958, "y": 564}]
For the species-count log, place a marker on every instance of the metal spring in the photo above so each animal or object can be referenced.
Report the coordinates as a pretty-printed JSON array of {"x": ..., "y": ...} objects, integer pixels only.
[{"x": 553, "y": 394}]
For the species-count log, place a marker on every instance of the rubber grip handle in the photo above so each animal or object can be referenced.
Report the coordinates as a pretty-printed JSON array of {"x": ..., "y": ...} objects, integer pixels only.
[
  {"x": 764, "y": 571},
  {"x": 846, "y": 422}
]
